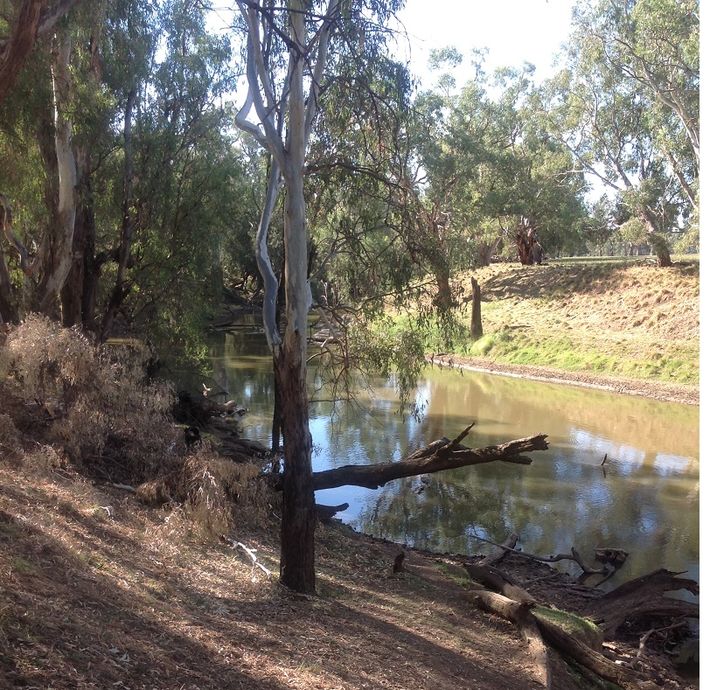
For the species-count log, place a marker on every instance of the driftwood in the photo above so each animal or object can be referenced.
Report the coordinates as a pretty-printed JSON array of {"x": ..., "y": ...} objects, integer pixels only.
[
  {"x": 436, "y": 457},
  {"x": 642, "y": 597}
]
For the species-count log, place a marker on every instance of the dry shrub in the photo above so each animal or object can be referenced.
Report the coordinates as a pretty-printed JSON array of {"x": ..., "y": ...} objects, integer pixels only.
[
  {"x": 44, "y": 457},
  {"x": 216, "y": 494},
  {"x": 94, "y": 399},
  {"x": 10, "y": 438},
  {"x": 219, "y": 494}
]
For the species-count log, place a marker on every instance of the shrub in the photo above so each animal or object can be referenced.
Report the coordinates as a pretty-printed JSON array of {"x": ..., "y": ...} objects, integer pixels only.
[{"x": 93, "y": 400}]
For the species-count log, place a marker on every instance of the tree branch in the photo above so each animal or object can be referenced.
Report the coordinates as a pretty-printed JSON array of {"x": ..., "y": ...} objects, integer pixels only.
[{"x": 438, "y": 456}]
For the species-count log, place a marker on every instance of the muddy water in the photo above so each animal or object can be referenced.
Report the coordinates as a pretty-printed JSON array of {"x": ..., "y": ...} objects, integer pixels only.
[{"x": 644, "y": 499}]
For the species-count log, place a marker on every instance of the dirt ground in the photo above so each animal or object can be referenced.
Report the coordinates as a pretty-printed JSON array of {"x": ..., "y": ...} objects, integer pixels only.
[{"x": 98, "y": 591}]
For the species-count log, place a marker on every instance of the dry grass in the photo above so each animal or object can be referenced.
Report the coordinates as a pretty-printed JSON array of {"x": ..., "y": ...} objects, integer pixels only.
[{"x": 100, "y": 592}]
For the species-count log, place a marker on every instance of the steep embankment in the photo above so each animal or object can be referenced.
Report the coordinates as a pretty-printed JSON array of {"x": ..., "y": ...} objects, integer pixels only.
[{"x": 631, "y": 327}]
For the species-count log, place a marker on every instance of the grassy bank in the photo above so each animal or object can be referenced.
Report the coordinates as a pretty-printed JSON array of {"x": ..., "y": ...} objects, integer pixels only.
[{"x": 605, "y": 317}]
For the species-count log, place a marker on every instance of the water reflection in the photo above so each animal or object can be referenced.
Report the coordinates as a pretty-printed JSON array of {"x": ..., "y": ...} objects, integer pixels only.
[{"x": 643, "y": 499}]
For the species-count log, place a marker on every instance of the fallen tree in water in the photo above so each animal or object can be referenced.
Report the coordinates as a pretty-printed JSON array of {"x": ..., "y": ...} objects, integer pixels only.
[{"x": 440, "y": 455}]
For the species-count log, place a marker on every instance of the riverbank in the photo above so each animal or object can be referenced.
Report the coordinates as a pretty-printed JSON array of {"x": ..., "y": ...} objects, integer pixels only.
[
  {"x": 624, "y": 325},
  {"x": 102, "y": 591},
  {"x": 656, "y": 390}
]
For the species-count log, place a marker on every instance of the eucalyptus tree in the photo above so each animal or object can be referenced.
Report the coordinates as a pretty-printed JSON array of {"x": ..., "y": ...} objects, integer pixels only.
[
  {"x": 292, "y": 48},
  {"x": 122, "y": 204},
  {"x": 627, "y": 108},
  {"x": 45, "y": 268}
]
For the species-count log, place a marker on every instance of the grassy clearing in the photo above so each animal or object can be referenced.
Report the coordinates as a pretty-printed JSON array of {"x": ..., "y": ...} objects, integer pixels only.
[{"x": 617, "y": 318}]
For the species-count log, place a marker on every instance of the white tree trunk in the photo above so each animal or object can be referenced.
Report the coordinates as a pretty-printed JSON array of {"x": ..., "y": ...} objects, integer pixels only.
[{"x": 59, "y": 260}]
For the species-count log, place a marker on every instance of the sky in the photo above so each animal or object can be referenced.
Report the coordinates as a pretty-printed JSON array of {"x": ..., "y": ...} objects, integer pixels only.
[{"x": 514, "y": 31}]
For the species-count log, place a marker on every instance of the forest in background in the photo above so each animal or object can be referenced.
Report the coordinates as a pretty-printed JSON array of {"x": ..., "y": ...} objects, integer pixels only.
[{"x": 130, "y": 198}]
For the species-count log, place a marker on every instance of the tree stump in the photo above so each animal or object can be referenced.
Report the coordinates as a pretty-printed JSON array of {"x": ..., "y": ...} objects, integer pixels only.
[{"x": 476, "y": 321}]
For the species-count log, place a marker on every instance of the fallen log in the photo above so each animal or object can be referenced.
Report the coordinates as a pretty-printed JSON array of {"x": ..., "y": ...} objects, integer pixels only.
[
  {"x": 436, "y": 457},
  {"x": 537, "y": 630},
  {"x": 642, "y": 597},
  {"x": 499, "y": 582},
  {"x": 519, "y": 614}
]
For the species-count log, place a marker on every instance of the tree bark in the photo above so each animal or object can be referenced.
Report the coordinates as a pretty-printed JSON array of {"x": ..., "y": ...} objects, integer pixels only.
[
  {"x": 57, "y": 259},
  {"x": 476, "y": 320},
  {"x": 444, "y": 298},
  {"x": 8, "y": 309},
  {"x": 74, "y": 292},
  {"x": 298, "y": 520},
  {"x": 120, "y": 290},
  {"x": 438, "y": 456},
  {"x": 21, "y": 42}
]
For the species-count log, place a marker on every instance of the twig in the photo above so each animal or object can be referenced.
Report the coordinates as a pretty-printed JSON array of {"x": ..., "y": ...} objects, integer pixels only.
[
  {"x": 250, "y": 552},
  {"x": 644, "y": 638},
  {"x": 126, "y": 487}
]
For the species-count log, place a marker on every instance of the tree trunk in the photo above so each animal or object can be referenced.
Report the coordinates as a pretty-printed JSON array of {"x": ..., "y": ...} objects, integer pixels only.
[
  {"x": 8, "y": 309},
  {"x": 476, "y": 321},
  {"x": 58, "y": 257},
  {"x": 298, "y": 519},
  {"x": 19, "y": 44},
  {"x": 120, "y": 290},
  {"x": 485, "y": 251},
  {"x": 444, "y": 298},
  {"x": 74, "y": 292}
]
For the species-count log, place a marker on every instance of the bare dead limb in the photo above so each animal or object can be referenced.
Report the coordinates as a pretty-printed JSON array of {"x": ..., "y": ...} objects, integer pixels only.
[
  {"x": 249, "y": 552},
  {"x": 507, "y": 545},
  {"x": 642, "y": 597},
  {"x": 644, "y": 638},
  {"x": 572, "y": 556},
  {"x": 436, "y": 457}
]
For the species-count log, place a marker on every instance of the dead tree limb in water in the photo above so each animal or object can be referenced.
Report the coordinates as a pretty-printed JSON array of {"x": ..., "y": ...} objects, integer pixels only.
[
  {"x": 572, "y": 556},
  {"x": 436, "y": 457}
]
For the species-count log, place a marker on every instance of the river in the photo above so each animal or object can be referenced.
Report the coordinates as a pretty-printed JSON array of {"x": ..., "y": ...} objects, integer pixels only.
[{"x": 644, "y": 499}]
